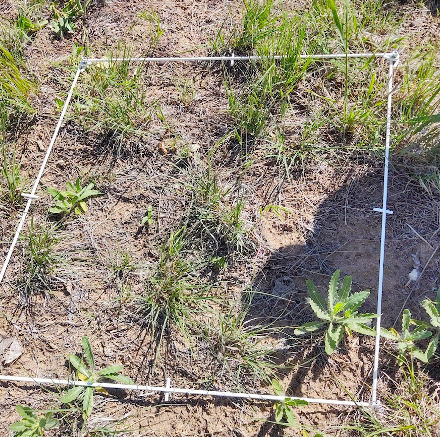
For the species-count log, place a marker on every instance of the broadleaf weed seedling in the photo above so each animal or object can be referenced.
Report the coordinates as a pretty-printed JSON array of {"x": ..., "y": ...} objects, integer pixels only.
[
  {"x": 340, "y": 313},
  {"x": 63, "y": 21},
  {"x": 147, "y": 219},
  {"x": 86, "y": 371},
  {"x": 284, "y": 414},
  {"x": 72, "y": 199},
  {"x": 407, "y": 338},
  {"x": 32, "y": 424},
  {"x": 27, "y": 26}
]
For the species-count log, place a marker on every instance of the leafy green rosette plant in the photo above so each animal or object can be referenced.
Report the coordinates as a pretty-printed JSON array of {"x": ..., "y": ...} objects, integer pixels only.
[
  {"x": 63, "y": 21},
  {"x": 339, "y": 313},
  {"x": 433, "y": 310},
  {"x": 72, "y": 199},
  {"x": 407, "y": 338},
  {"x": 86, "y": 371},
  {"x": 32, "y": 424}
]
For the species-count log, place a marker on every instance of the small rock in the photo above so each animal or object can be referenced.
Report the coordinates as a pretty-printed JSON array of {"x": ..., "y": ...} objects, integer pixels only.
[{"x": 10, "y": 350}]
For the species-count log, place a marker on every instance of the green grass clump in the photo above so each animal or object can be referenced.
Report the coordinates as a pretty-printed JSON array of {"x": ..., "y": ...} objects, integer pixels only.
[
  {"x": 242, "y": 346},
  {"x": 173, "y": 294},
  {"x": 39, "y": 263},
  {"x": 14, "y": 89},
  {"x": 214, "y": 221},
  {"x": 11, "y": 179},
  {"x": 408, "y": 409},
  {"x": 417, "y": 106},
  {"x": 112, "y": 101},
  {"x": 343, "y": 101},
  {"x": 269, "y": 83}
]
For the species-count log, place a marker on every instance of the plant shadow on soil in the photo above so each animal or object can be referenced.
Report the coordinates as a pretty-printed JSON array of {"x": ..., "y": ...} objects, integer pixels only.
[{"x": 344, "y": 234}]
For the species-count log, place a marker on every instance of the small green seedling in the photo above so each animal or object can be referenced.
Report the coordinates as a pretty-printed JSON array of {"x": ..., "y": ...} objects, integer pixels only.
[
  {"x": 147, "y": 220},
  {"x": 219, "y": 262},
  {"x": 72, "y": 199},
  {"x": 283, "y": 409},
  {"x": 85, "y": 371},
  {"x": 278, "y": 210},
  {"x": 406, "y": 339},
  {"x": 27, "y": 26},
  {"x": 32, "y": 424},
  {"x": 63, "y": 19},
  {"x": 340, "y": 313},
  {"x": 156, "y": 28}
]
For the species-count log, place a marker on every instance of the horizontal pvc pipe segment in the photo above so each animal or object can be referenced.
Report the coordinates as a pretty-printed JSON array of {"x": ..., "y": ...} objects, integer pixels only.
[
  {"x": 237, "y": 58},
  {"x": 31, "y": 196},
  {"x": 226, "y": 394}
]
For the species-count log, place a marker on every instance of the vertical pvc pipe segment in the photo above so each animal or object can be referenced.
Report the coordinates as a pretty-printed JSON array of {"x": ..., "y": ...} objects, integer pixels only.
[
  {"x": 32, "y": 196},
  {"x": 392, "y": 59}
]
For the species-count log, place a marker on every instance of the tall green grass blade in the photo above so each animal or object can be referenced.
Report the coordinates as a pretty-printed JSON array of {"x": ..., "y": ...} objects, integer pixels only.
[
  {"x": 88, "y": 353},
  {"x": 338, "y": 23}
]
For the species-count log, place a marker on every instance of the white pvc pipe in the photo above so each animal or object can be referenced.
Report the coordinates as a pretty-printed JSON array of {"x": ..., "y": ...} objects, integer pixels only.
[
  {"x": 393, "y": 59},
  {"x": 235, "y": 58},
  {"x": 225, "y": 394},
  {"x": 32, "y": 195},
  {"x": 84, "y": 63}
]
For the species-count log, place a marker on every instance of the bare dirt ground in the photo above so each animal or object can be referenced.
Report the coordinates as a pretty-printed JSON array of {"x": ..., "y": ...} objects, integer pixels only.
[{"x": 330, "y": 225}]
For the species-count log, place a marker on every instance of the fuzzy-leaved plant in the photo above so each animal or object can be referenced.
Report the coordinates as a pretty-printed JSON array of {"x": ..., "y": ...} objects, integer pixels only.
[
  {"x": 339, "y": 313},
  {"x": 86, "y": 371},
  {"x": 433, "y": 310}
]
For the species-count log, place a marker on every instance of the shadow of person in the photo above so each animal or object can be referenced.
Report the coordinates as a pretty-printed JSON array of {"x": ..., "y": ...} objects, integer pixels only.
[{"x": 331, "y": 225}]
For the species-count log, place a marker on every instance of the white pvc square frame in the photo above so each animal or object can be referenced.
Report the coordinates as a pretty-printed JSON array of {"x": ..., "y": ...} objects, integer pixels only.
[{"x": 393, "y": 60}]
